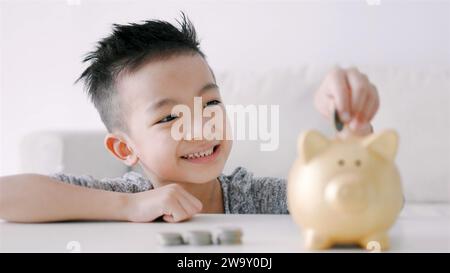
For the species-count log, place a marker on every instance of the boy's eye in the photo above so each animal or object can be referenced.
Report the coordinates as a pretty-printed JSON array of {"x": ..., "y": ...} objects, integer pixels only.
[
  {"x": 212, "y": 102},
  {"x": 167, "y": 119}
]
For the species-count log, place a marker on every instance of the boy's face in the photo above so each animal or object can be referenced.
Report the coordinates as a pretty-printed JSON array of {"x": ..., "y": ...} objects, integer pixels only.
[{"x": 148, "y": 96}]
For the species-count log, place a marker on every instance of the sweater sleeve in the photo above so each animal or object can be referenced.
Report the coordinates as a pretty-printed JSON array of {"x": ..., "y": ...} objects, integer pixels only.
[{"x": 130, "y": 182}]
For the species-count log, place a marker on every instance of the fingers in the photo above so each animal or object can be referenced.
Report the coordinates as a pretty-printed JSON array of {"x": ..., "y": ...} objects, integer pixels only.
[
  {"x": 365, "y": 100},
  {"x": 188, "y": 204},
  {"x": 351, "y": 93},
  {"x": 341, "y": 93},
  {"x": 372, "y": 105},
  {"x": 360, "y": 130},
  {"x": 359, "y": 85},
  {"x": 175, "y": 212},
  {"x": 179, "y": 205},
  {"x": 192, "y": 199},
  {"x": 359, "y": 124}
]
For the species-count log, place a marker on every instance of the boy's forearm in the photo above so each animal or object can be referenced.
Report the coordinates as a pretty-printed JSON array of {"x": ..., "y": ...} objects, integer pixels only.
[{"x": 39, "y": 198}]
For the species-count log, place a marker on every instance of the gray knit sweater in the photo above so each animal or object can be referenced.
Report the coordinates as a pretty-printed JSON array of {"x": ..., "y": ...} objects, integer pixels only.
[{"x": 242, "y": 192}]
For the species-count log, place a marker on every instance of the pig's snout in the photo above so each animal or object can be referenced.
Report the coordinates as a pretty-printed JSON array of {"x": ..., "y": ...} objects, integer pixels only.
[{"x": 347, "y": 194}]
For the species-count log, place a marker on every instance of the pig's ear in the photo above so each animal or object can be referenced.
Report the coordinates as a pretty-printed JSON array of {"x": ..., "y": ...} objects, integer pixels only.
[
  {"x": 310, "y": 144},
  {"x": 384, "y": 143}
]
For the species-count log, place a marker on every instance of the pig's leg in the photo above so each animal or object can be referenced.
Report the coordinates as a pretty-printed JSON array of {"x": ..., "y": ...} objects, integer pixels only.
[
  {"x": 316, "y": 241},
  {"x": 376, "y": 241}
]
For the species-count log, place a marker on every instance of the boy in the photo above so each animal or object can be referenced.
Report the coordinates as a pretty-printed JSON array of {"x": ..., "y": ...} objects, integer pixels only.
[{"x": 135, "y": 77}]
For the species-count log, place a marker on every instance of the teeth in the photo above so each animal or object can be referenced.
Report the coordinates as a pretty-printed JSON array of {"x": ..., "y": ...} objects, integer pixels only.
[{"x": 200, "y": 154}]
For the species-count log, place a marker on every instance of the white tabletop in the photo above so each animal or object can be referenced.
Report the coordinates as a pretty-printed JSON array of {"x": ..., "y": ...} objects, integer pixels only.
[{"x": 420, "y": 228}]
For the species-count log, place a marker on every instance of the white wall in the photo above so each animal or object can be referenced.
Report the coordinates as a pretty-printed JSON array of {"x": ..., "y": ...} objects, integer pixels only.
[{"x": 42, "y": 44}]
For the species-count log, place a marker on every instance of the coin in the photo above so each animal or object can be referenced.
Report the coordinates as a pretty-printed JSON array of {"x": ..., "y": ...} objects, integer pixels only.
[
  {"x": 338, "y": 124},
  {"x": 170, "y": 238},
  {"x": 199, "y": 237},
  {"x": 229, "y": 235}
]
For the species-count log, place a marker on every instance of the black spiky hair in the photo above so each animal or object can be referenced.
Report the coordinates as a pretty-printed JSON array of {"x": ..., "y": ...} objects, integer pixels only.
[{"x": 126, "y": 49}]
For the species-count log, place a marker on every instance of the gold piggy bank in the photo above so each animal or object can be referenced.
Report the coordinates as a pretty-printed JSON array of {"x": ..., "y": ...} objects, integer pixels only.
[{"x": 345, "y": 191}]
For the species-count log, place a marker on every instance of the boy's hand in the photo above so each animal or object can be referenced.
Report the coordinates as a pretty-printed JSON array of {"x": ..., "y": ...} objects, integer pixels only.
[
  {"x": 171, "y": 201},
  {"x": 352, "y": 94}
]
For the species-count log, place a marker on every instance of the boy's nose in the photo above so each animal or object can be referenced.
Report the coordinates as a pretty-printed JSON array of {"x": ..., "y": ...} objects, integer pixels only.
[
  {"x": 197, "y": 129},
  {"x": 199, "y": 132}
]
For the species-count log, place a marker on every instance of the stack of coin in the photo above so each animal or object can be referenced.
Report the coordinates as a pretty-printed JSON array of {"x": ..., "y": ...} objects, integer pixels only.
[
  {"x": 229, "y": 236},
  {"x": 199, "y": 237},
  {"x": 170, "y": 238}
]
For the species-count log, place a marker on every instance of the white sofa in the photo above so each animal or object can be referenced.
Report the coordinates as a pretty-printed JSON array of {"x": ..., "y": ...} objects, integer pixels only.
[{"x": 414, "y": 101}]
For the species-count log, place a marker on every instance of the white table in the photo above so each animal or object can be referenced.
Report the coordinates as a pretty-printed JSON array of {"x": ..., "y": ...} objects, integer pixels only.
[{"x": 420, "y": 228}]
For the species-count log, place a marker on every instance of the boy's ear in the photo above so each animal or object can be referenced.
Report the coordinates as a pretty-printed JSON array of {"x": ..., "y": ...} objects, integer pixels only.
[
  {"x": 120, "y": 149},
  {"x": 384, "y": 144},
  {"x": 310, "y": 144}
]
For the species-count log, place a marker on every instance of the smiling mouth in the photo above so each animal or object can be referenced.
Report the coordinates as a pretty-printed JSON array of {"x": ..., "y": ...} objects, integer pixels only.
[{"x": 203, "y": 156}]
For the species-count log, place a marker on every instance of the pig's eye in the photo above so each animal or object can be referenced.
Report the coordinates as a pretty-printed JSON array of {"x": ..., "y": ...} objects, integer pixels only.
[
  {"x": 341, "y": 162},
  {"x": 358, "y": 163}
]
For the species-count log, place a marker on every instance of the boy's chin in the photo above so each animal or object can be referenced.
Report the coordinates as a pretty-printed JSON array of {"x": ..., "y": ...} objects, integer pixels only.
[
  {"x": 204, "y": 170},
  {"x": 201, "y": 177}
]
